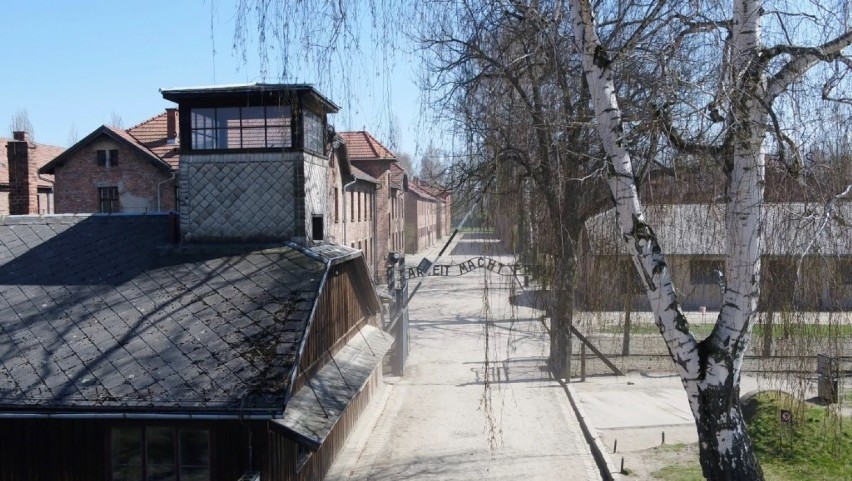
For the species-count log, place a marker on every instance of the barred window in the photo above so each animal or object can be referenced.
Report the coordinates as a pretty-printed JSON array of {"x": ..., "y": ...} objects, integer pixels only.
[{"x": 108, "y": 202}]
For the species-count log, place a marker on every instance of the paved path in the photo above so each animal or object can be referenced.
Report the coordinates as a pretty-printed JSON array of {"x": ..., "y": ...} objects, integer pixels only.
[{"x": 441, "y": 422}]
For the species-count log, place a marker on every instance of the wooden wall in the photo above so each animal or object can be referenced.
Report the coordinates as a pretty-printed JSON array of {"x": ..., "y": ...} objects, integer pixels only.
[
  {"x": 52, "y": 450},
  {"x": 77, "y": 450},
  {"x": 341, "y": 311},
  {"x": 282, "y": 453}
]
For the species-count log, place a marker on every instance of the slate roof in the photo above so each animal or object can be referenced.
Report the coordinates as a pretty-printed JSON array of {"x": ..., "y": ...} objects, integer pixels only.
[
  {"x": 42, "y": 153},
  {"x": 100, "y": 313},
  {"x": 363, "y": 146},
  {"x": 153, "y": 134},
  {"x": 699, "y": 229}
]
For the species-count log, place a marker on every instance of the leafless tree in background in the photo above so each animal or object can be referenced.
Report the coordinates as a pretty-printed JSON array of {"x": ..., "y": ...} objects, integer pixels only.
[
  {"x": 21, "y": 123},
  {"x": 557, "y": 98}
]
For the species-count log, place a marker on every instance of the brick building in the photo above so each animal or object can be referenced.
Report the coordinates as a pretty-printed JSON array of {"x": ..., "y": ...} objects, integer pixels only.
[
  {"x": 246, "y": 348},
  {"x": 20, "y": 159},
  {"x": 352, "y": 208},
  {"x": 443, "y": 207},
  {"x": 421, "y": 219},
  {"x": 367, "y": 154},
  {"x": 113, "y": 170}
]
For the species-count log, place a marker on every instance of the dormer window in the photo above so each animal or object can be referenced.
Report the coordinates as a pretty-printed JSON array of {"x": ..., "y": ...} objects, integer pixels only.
[
  {"x": 107, "y": 158},
  {"x": 232, "y": 128}
]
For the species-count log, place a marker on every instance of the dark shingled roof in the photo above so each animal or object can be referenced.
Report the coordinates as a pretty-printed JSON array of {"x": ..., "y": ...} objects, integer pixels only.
[{"x": 101, "y": 313}]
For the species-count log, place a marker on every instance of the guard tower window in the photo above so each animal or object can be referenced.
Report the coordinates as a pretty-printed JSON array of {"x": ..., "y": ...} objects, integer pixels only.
[{"x": 231, "y": 128}]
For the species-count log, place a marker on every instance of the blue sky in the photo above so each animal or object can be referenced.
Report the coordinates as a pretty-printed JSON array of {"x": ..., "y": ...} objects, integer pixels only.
[{"x": 73, "y": 64}]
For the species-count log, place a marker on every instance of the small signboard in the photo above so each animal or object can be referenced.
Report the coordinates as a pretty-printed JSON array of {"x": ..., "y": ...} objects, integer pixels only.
[
  {"x": 786, "y": 416},
  {"x": 424, "y": 266}
]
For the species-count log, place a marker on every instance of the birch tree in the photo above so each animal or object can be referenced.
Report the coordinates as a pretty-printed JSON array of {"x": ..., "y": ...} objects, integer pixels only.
[{"x": 751, "y": 78}]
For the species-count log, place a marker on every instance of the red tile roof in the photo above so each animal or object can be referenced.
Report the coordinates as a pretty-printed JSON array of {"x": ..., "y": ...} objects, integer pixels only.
[
  {"x": 152, "y": 133},
  {"x": 42, "y": 153},
  {"x": 434, "y": 191},
  {"x": 361, "y": 145},
  {"x": 416, "y": 189}
]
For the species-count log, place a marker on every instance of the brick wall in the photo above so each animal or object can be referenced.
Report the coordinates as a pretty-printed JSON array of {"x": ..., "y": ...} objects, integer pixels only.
[
  {"x": 360, "y": 199},
  {"x": 389, "y": 213},
  {"x": 23, "y": 178},
  {"x": 420, "y": 223},
  {"x": 78, "y": 179}
]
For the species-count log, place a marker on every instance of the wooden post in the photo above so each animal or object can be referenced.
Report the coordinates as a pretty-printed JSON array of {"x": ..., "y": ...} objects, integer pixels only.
[{"x": 582, "y": 362}]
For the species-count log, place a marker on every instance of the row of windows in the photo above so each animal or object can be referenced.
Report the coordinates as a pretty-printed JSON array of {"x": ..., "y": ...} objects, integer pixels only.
[
  {"x": 240, "y": 128},
  {"x": 360, "y": 204},
  {"x": 259, "y": 127}
]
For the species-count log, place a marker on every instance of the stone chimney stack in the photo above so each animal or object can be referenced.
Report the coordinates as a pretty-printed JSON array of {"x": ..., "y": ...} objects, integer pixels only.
[
  {"x": 23, "y": 176},
  {"x": 171, "y": 126}
]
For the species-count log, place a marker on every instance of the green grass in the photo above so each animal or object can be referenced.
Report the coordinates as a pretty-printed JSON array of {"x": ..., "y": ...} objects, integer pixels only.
[
  {"x": 690, "y": 471},
  {"x": 817, "y": 445},
  {"x": 680, "y": 472}
]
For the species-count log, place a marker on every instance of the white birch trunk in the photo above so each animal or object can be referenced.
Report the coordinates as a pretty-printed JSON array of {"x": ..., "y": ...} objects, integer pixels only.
[{"x": 709, "y": 370}]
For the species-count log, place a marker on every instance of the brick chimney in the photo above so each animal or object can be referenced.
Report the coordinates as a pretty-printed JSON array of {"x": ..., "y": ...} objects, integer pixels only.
[
  {"x": 23, "y": 176},
  {"x": 171, "y": 126}
]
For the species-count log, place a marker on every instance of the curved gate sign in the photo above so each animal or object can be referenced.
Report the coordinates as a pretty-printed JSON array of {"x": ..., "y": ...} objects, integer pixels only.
[{"x": 426, "y": 269}]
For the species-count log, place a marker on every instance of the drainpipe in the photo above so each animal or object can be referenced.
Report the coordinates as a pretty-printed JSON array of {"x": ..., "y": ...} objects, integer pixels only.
[
  {"x": 160, "y": 184},
  {"x": 345, "y": 221}
]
